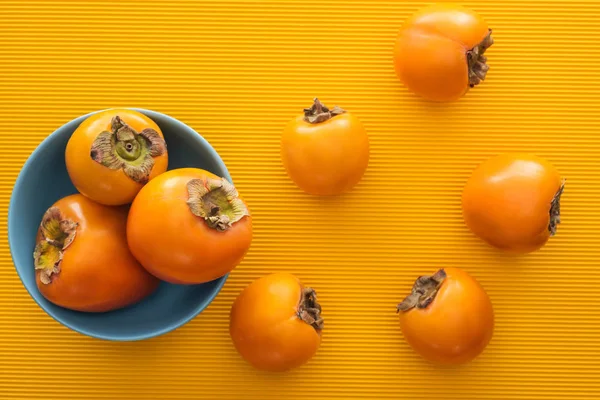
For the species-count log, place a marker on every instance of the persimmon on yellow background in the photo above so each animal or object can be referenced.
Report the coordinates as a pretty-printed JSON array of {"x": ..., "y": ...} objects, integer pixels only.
[{"x": 237, "y": 72}]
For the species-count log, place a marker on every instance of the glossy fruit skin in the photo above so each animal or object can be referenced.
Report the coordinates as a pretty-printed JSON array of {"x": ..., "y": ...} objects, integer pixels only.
[
  {"x": 327, "y": 158},
  {"x": 99, "y": 183},
  {"x": 507, "y": 200},
  {"x": 98, "y": 272},
  {"x": 430, "y": 51},
  {"x": 265, "y": 328},
  {"x": 456, "y": 327},
  {"x": 175, "y": 245}
]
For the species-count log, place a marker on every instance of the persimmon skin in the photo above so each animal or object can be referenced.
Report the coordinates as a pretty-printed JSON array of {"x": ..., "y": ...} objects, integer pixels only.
[
  {"x": 507, "y": 200},
  {"x": 100, "y": 183},
  {"x": 328, "y": 158},
  {"x": 430, "y": 53},
  {"x": 265, "y": 328},
  {"x": 458, "y": 324},
  {"x": 175, "y": 245},
  {"x": 98, "y": 272}
]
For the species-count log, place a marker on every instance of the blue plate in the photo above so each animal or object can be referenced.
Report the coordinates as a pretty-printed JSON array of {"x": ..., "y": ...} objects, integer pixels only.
[{"x": 44, "y": 179}]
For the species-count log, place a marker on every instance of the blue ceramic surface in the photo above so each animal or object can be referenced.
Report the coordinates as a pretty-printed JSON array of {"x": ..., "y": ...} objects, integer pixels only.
[{"x": 44, "y": 179}]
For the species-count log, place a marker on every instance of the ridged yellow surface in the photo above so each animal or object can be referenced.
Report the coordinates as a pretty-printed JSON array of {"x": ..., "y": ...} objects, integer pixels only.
[{"x": 237, "y": 71}]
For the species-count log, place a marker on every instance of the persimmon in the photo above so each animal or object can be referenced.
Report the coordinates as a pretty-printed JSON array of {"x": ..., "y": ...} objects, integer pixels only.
[
  {"x": 275, "y": 323},
  {"x": 512, "y": 201},
  {"x": 325, "y": 151},
  {"x": 439, "y": 52},
  {"x": 189, "y": 226},
  {"x": 448, "y": 318},
  {"x": 82, "y": 261},
  {"x": 113, "y": 153}
]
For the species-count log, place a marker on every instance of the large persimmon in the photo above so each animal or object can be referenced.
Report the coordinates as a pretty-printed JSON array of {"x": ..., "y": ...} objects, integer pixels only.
[
  {"x": 275, "y": 323},
  {"x": 512, "y": 201},
  {"x": 113, "y": 153},
  {"x": 82, "y": 261},
  {"x": 439, "y": 51},
  {"x": 448, "y": 318},
  {"x": 189, "y": 226}
]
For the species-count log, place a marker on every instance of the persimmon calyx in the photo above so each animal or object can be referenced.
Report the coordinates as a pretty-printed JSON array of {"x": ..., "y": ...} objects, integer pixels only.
[
  {"x": 124, "y": 148},
  {"x": 555, "y": 210},
  {"x": 477, "y": 62},
  {"x": 318, "y": 113},
  {"x": 56, "y": 233},
  {"x": 217, "y": 201},
  {"x": 309, "y": 309},
  {"x": 423, "y": 292}
]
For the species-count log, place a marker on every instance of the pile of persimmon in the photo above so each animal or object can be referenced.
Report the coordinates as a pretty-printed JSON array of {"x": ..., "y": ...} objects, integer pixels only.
[
  {"x": 94, "y": 252},
  {"x": 189, "y": 226}
]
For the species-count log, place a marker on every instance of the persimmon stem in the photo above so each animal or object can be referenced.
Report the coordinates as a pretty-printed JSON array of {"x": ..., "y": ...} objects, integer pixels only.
[
  {"x": 309, "y": 309},
  {"x": 124, "y": 148},
  {"x": 318, "y": 112},
  {"x": 423, "y": 292},
  {"x": 56, "y": 233},
  {"x": 217, "y": 201},
  {"x": 477, "y": 62},
  {"x": 555, "y": 210}
]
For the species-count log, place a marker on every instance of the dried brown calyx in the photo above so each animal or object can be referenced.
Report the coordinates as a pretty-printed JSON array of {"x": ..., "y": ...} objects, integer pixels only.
[
  {"x": 124, "y": 148},
  {"x": 217, "y": 201},
  {"x": 319, "y": 113},
  {"x": 423, "y": 292},
  {"x": 309, "y": 309},
  {"x": 56, "y": 233},
  {"x": 477, "y": 62},
  {"x": 555, "y": 210}
]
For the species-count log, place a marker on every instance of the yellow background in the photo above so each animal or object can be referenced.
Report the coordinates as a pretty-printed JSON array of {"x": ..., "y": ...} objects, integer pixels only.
[{"x": 237, "y": 71}]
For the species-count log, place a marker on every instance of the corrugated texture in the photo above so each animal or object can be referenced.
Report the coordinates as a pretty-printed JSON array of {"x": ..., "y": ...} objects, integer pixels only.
[{"x": 237, "y": 71}]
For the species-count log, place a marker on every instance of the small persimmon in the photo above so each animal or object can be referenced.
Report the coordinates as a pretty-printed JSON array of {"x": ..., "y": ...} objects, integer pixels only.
[
  {"x": 512, "y": 201},
  {"x": 275, "y": 323},
  {"x": 325, "y": 151},
  {"x": 82, "y": 261},
  {"x": 113, "y": 153},
  {"x": 439, "y": 52},
  {"x": 189, "y": 226},
  {"x": 448, "y": 318}
]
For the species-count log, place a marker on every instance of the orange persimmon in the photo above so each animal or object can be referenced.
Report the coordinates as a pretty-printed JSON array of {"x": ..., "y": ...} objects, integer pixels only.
[
  {"x": 512, "y": 201},
  {"x": 448, "y": 318},
  {"x": 439, "y": 51},
  {"x": 113, "y": 153},
  {"x": 82, "y": 261},
  {"x": 189, "y": 226},
  {"x": 275, "y": 323},
  {"x": 325, "y": 151}
]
